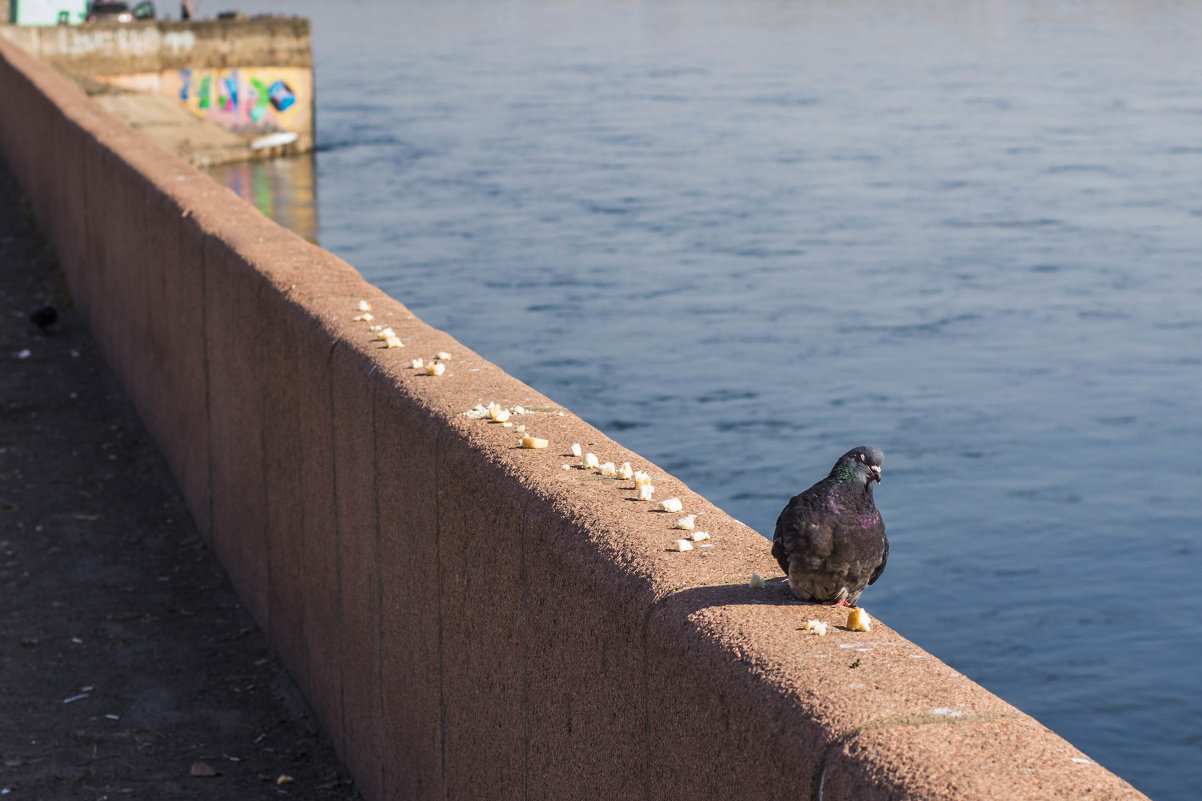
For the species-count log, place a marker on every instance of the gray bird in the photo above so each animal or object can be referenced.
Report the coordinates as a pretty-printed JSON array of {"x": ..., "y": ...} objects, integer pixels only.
[{"x": 830, "y": 539}]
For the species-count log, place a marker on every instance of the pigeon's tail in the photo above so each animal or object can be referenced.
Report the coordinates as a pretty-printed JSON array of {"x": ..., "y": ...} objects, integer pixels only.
[{"x": 820, "y": 587}]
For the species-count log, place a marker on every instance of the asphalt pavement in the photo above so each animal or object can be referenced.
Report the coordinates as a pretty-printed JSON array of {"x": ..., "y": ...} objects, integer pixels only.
[{"x": 128, "y": 668}]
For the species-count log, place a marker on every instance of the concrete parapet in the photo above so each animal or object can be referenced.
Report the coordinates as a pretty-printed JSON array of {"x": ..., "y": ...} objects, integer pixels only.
[
  {"x": 151, "y": 47},
  {"x": 215, "y": 90},
  {"x": 468, "y": 618}
]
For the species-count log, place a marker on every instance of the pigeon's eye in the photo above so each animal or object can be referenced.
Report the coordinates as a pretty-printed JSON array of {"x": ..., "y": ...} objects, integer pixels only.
[{"x": 861, "y": 457}]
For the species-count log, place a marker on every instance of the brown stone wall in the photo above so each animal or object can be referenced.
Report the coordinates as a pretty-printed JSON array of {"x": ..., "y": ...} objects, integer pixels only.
[
  {"x": 154, "y": 47},
  {"x": 469, "y": 619}
]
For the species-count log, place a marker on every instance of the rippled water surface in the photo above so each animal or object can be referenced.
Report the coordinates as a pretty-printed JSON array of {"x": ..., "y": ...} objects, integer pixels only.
[{"x": 742, "y": 237}]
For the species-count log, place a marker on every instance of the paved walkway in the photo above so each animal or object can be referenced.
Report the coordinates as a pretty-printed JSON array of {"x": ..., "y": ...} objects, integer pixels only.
[{"x": 127, "y": 665}]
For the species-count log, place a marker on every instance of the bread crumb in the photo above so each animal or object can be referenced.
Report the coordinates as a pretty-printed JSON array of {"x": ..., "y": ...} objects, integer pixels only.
[
  {"x": 435, "y": 369},
  {"x": 645, "y": 492},
  {"x": 671, "y": 505},
  {"x": 815, "y": 627},
  {"x": 684, "y": 545},
  {"x": 858, "y": 620},
  {"x": 756, "y": 582},
  {"x": 608, "y": 470},
  {"x": 534, "y": 443},
  {"x": 576, "y": 450},
  {"x": 687, "y": 523},
  {"x": 698, "y": 536}
]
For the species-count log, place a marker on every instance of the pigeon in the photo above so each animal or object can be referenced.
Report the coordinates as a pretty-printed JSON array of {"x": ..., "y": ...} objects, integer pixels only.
[
  {"x": 830, "y": 539},
  {"x": 43, "y": 317}
]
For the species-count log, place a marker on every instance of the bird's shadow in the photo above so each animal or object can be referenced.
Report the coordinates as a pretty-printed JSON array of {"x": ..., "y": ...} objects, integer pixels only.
[{"x": 775, "y": 592}]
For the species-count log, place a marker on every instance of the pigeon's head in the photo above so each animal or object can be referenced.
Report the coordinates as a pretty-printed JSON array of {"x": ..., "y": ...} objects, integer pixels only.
[{"x": 863, "y": 463}]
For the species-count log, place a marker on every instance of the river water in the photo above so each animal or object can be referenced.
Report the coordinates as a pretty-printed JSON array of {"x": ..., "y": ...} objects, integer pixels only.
[{"x": 743, "y": 237}]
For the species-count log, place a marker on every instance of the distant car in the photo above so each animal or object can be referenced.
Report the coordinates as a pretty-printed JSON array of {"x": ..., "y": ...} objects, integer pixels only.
[{"x": 120, "y": 12}]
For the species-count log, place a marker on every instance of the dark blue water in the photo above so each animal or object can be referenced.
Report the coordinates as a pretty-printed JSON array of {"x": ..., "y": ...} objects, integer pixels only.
[{"x": 743, "y": 237}]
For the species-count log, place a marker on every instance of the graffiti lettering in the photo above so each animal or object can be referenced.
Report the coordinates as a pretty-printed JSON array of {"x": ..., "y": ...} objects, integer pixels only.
[
  {"x": 252, "y": 100},
  {"x": 77, "y": 42},
  {"x": 179, "y": 41},
  {"x": 282, "y": 96},
  {"x": 259, "y": 109},
  {"x": 206, "y": 92}
]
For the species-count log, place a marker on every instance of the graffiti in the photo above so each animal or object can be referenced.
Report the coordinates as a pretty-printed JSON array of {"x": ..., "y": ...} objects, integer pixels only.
[
  {"x": 282, "y": 96},
  {"x": 205, "y": 98},
  {"x": 251, "y": 99},
  {"x": 76, "y": 41},
  {"x": 227, "y": 99},
  {"x": 259, "y": 109},
  {"x": 179, "y": 41}
]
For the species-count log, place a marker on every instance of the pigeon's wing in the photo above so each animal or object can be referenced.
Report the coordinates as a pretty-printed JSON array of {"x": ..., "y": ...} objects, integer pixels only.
[
  {"x": 783, "y": 538},
  {"x": 876, "y": 574},
  {"x": 778, "y": 545},
  {"x": 802, "y": 530}
]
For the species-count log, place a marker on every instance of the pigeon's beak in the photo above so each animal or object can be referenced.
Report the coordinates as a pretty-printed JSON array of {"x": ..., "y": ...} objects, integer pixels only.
[{"x": 876, "y": 472}]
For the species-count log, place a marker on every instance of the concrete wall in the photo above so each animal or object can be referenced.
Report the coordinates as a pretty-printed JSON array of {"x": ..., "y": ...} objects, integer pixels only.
[
  {"x": 469, "y": 619},
  {"x": 150, "y": 47},
  {"x": 252, "y": 76}
]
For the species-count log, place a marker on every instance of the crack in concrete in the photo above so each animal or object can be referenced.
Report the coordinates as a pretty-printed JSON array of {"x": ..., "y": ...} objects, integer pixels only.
[
  {"x": 337, "y": 543},
  {"x": 204, "y": 332},
  {"x": 375, "y": 476},
  {"x": 525, "y": 657},
  {"x": 442, "y": 695},
  {"x": 267, "y": 625},
  {"x": 647, "y": 704},
  {"x": 910, "y": 720}
]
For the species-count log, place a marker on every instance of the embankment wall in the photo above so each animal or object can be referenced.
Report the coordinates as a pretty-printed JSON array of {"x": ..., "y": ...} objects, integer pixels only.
[
  {"x": 251, "y": 76},
  {"x": 469, "y": 619}
]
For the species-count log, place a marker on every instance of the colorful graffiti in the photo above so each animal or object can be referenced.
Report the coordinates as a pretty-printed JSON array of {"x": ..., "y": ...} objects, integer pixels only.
[{"x": 257, "y": 99}]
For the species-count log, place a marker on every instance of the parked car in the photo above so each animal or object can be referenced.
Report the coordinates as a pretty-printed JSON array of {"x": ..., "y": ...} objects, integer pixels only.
[{"x": 120, "y": 12}]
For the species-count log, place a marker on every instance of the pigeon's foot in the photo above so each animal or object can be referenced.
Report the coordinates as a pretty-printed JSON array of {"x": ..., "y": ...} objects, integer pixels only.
[{"x": 841, "y": 602}]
